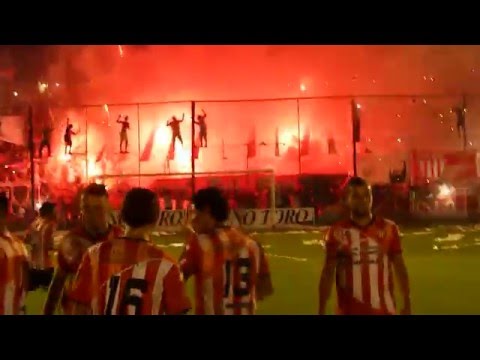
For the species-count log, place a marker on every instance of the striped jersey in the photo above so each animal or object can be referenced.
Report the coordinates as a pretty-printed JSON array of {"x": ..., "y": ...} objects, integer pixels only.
[
  {"x": 70, "y": 252},
  {"x": 230, "y": 272},
  {"x": 40, "y": 238},
  {"x": 364, "y": 275},
  {"x": 13, "y": 275},
  {"x": 129, "y": 277}
]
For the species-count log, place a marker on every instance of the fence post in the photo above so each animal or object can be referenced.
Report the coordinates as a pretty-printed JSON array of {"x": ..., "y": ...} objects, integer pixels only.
[
  {"x": 193, "y": 148},
  {"x": 299, "y": 140},
  {"x": 464, "y": 109},
  {"x": 31, "y": 147},
  {"x": 138, "y": 143},
  {"x": 356, "y": 125},
  {"x": 354, "y": 158},
  {"x": 86, "y": 145}
]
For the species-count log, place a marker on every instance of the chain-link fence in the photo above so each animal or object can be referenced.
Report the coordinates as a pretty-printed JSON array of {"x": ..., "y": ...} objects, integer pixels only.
[{"x": 305, "y": 136}]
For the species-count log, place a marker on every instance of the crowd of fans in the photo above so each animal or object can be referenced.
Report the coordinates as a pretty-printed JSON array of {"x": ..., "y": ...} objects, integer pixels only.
[{"x": 311, "y": 191}]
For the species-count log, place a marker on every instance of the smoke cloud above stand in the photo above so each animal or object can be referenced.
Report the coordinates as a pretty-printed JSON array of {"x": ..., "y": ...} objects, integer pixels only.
[
  {"x": 152, "y": 73},
  {"x": 390, "y": 126}
]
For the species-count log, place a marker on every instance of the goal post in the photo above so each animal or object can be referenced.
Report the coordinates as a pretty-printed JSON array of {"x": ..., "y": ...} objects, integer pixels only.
[{"x": 251, "y": 194}]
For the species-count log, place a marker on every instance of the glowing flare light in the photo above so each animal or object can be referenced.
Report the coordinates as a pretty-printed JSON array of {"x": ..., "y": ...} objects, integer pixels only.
[
  {"x": 42, "y": 87},
  {"x": 444, "y": 191},
  {"x": 288, "y": 137},
  {"x": 93, "y": 169}
]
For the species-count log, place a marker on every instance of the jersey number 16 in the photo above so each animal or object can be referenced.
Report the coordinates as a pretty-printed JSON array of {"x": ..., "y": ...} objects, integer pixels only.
[{"x": 129, "y": 297}]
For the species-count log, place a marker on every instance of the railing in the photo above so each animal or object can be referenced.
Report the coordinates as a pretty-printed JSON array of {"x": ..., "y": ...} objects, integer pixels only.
[{"x": 292, "y": 136}]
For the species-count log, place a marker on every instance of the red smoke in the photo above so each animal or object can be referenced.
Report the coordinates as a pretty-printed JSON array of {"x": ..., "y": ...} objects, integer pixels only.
[{"x": 131, "y": 74}]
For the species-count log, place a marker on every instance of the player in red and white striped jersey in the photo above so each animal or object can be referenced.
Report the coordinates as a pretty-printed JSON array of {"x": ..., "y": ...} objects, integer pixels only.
[
  {"x": 230, "y": 269},
  {"x": 130, "y": 275},
  {"x": 13, "y": 267},
  {"x": 94, "y": 228},
  {"x": 40, "y": 237},
  {"x": 363, "y": 254}
]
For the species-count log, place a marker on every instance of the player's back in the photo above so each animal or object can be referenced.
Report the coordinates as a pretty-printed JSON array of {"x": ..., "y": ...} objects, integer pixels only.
[
  {"x": 13, "y": 275},
  {"x": 128, "y": 276},
  {"x": 227, "y": 266},
  {"x": 40, "y": 238},
  {"x": 71, "y": 249}
]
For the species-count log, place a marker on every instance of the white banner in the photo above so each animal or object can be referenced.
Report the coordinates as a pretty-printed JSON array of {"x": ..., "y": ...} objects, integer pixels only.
[
  {"x": 12, "y": 129},
  {"x": 172, "y": 220}
]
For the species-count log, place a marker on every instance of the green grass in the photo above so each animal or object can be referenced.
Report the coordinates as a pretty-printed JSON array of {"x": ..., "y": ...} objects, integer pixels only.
[{"x": 442, "y": 281}]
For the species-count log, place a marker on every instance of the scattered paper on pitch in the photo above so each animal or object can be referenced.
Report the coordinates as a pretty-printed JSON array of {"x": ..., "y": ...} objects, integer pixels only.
[
  {"x": 171, "y": 245},
  {"x": 426, "y": 231},
  {"x": 449, "y": 247},
  {"x": 159, "y": 233},
  {"x": 450, "y": 237},
  {"x": 314, "y": 242},
  {"x": 287, "y": 257}
]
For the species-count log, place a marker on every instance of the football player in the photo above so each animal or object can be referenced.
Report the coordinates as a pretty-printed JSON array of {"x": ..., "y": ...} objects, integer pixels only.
[
  {"x": 94, "y": 227},
  {"x": 13, "y": 267},
  {"x": 363, "y": 253},
  {"x": 230, "y": 269},
  {"x": 130, "y": 275},
  {"x": 40, "y": 239}
]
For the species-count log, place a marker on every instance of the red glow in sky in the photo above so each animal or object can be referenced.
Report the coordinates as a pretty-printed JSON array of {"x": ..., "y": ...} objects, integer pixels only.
[
  {"x": 177, "y": 72},
  {"x": 159, "y": 73}
]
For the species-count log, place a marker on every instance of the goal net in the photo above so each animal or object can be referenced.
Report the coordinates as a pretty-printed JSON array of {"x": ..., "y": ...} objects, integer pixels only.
[{"x": 251, "y": 195}]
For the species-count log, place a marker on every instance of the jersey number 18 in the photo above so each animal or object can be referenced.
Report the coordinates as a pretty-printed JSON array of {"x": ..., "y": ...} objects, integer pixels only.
[{"x": 243, "y": 288}]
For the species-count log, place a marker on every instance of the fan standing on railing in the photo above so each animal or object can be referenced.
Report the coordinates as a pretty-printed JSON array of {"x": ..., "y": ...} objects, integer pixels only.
[
  {"x": 203, "y": 128},
  {"x": 174, "y": 124},
  {"x": 123, "y": 133},
  {"x": 46, "y": 140},
  {"x": 67, "y": 137}
]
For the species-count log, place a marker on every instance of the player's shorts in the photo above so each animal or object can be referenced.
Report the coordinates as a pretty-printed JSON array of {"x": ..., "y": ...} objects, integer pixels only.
[{"x": 123, "y": 136}]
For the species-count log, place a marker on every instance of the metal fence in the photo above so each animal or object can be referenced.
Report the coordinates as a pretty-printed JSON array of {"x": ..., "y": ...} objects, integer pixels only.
[{"x": 292, "y": 136}]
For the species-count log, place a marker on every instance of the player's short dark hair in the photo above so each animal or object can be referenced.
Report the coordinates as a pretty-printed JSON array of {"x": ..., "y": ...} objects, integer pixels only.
[
  {"x": 355, "y": 181},
  {"x": 213, "y": 199},
  {"x": 4, "y": 203},
  {"x": 140, "y": 208},
  {"x": 95, "y": 190},
  {"x": 47, "y": 209}
]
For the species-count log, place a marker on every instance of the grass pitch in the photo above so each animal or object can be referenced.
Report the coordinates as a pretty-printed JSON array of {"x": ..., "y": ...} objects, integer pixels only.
[{"x": 443, "y": 265}]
